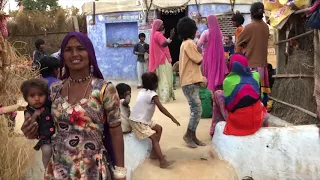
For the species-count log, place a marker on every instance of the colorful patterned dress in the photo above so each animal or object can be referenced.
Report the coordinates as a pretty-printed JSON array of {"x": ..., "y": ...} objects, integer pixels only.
[{"x": 78, "y": 151}]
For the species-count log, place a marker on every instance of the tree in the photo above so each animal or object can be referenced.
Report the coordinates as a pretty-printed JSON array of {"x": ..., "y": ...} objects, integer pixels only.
[{"x": 40, "y": 5}]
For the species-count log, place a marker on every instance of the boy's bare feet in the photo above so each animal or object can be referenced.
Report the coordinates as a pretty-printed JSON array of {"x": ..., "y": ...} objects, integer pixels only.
[
  {"x": 198, "y": 142},
  {"x": 164, "y": 164},
  {"x": 189, "y": 142}
]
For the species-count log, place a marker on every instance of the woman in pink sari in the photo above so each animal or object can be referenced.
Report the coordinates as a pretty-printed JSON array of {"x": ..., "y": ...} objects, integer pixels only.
[
  {"x": 214, "y": 66},
  {"x": 160, "y": 60}
]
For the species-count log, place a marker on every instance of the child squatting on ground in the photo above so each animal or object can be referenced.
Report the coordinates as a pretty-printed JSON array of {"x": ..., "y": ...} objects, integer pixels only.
[
  {"x": 35, "y": 92},
  {"x": 190, "y": 77},
  {"x": 124, "y": 91},
  {"x": 142, "y": 113}
]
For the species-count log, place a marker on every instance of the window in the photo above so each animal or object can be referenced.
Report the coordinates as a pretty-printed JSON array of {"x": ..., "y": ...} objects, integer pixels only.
[{"x": 124, "y": 34}]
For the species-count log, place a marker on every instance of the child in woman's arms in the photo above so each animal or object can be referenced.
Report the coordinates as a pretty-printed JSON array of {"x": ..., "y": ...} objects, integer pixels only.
[
  {"x": 142, "y": 113},
  {"x": 35, "y": 92}
]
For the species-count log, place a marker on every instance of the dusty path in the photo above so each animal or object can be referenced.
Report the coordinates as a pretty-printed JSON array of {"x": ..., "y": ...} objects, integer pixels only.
[{"x": 193, "y": 164}]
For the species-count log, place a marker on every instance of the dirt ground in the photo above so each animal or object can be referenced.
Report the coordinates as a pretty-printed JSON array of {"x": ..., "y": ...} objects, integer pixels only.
[{"x": 193, "y": 164}]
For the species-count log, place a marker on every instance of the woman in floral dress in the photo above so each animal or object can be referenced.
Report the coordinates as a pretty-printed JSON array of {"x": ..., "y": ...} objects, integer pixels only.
[{"x": 83, "y": 105}]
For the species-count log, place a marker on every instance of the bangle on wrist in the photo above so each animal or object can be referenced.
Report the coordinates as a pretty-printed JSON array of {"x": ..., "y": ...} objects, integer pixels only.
[{"x": 119, "y": 172}]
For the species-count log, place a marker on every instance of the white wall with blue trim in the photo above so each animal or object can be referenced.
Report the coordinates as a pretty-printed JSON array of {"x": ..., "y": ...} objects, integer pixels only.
[{"x": 122, "y": 29}]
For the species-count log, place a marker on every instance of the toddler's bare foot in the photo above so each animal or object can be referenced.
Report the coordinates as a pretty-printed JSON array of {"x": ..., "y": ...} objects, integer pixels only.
[
  {"x": 166, "y": 164},
  {"x": 189, "y": 142},
  {"x": 198, "y": 142}
]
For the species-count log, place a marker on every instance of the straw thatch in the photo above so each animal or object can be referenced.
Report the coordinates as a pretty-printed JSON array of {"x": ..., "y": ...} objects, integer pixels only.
[
  {"x": 296, "y": 91},
  {"x": 15, "y": 150},
  {"x": 51, "y": 26}
]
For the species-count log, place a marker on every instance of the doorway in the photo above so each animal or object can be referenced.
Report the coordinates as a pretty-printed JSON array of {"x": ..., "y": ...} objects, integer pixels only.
[{"x": 170, "y": 21}]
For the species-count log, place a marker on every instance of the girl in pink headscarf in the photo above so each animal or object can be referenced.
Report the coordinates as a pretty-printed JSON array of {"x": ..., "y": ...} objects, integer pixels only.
[
  {"x": 214, "y": 66},
  {"x": 160, "y": 60}
]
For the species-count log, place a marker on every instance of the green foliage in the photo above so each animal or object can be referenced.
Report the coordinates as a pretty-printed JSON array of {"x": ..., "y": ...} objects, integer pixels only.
[{"x": 40, "y": 5}]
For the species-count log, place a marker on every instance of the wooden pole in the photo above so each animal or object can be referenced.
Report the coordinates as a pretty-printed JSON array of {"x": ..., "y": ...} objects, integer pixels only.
[
  {"x": 294, "y": 106},
  {"x": 75, "y": 23},
  {"x": 295, "y": 37},
  {"x": 280, "y": 51},
  {"x": 292, "y": 76}
]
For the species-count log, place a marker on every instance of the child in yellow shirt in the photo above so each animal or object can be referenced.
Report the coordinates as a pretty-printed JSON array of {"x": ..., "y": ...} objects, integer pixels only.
[{"x": 190, "y": 77}]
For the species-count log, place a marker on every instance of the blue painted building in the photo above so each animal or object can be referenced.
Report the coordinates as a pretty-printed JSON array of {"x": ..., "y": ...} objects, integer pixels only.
[{"x": 113, "y": 28}]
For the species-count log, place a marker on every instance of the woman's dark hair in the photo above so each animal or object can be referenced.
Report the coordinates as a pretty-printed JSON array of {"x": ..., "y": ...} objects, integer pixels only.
[
  {"x": 48, "y": 65},
  {"x": 122, "y": 88},
  {"x": 142, "y": 35},
  {"x": 257, "y": 10},
  {"x": 238, "y": 18},
  {"x": 38, "y": 43},
  {"x": 187, "y": 28},
  {"x": 33, "y": 83},
  {"x": 149, "y": 81},
  {"x": 229, "y": 37}
]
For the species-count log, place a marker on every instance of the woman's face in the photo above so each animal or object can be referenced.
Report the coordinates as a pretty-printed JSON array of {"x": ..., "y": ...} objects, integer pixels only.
[
  {"x": 75, "y": 55},
  {"x": 161, "y": 28}
]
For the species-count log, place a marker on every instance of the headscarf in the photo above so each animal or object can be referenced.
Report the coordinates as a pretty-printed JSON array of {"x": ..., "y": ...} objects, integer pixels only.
[
  {"x": 155, "y": 50},
  {"x": 241, "y": 87},
  {"x": 216, "y": 69},
  {"x": 87, "y": 44}
]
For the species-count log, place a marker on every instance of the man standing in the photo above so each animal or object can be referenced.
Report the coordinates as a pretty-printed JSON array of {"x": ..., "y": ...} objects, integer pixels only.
[
  {"x": 39, "y": 53},
  {"x": 141, "y": 49}
]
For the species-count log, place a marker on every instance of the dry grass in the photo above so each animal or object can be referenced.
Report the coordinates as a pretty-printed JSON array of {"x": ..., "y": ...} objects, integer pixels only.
[
  {"x": 296, "y": 91},
  {"x": 15, "y": 153},
  {"x": 15, "y": 150},
  {"x": 26, "y": 26}
]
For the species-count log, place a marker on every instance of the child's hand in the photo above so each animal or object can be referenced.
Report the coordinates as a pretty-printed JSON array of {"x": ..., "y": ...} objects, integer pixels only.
[
  {"x": 175, "y": 121},
  {"x": 35, "y": 115}
]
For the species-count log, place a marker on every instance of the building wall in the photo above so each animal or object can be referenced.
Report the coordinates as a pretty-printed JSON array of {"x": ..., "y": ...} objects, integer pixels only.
[{"x": 120, "y": 63}]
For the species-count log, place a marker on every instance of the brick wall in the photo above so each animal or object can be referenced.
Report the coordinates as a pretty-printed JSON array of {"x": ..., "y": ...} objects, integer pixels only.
[{"x": 226, "y": 24}]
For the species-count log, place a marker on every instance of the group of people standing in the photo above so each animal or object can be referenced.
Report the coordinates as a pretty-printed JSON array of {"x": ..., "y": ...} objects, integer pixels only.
[{"x": 86, "y": 141}]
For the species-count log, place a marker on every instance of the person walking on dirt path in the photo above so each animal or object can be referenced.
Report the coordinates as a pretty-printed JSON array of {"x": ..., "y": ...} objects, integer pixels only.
[
  {"x": 160, "y": 60},
  {"x": 85, "y": 109},
  {"x": 39, "y": 52},
  {"x": 190, "y": 77},
  {"x": 254, "y": 38},
  {"x": 140, "y": 50}
]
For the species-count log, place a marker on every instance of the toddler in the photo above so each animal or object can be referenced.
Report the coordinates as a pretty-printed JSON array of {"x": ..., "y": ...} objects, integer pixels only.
[
  {"x": 35, "y": 92},
  {"x": 142, "y": 113},
  {"x": 124, "y": 91}
]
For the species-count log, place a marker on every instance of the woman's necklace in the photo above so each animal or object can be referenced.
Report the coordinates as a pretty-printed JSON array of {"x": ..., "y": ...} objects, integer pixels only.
[
  {"x": 85, "y": 92},
  {"x": 80, "y": 80}
]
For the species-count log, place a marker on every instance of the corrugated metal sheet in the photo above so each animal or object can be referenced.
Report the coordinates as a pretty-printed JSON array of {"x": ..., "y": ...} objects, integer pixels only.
[{"x": 109, "y": 6}]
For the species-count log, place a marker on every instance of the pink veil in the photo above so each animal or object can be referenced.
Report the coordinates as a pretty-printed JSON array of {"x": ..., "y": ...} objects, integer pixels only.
[
  {"x": 214, "y": 66},
  {"x": 154, "y": 60}
]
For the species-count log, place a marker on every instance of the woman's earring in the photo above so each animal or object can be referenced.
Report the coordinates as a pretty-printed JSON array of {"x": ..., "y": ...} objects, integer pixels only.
[
  {"x": 63, "y": 71},
  {"x": 91, "y": 70}
]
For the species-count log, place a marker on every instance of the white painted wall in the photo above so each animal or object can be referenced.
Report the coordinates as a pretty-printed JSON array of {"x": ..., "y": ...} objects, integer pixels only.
[{"x": 280, "y": 153}]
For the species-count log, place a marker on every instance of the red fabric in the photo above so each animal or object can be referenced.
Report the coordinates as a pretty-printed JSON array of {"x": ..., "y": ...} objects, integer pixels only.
[
  {"x": 3, "y": 27},
  {"x": 245, "y": 121}
]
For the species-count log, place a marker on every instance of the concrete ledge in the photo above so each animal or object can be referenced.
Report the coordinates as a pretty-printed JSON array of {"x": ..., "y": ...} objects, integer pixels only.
[
  {"x": 272, "y": 153},
  {"x": 135, "y": 152}
]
